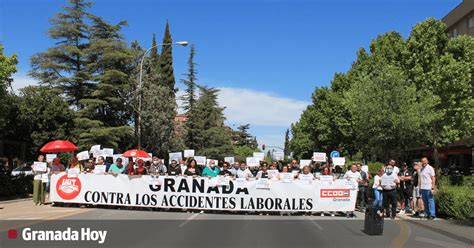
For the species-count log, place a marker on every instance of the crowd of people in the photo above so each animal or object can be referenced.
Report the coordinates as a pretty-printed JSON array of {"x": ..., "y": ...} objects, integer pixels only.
[{"x": 410, "y": 188}]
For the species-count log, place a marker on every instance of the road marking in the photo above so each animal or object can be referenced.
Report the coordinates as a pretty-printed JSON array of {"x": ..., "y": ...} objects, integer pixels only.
[
  {"x": 317, "y": 225},
  {"x": 438, "y": 242},
  {"x": 403, "y": 236},
  {"x": 190, "y": 218}
]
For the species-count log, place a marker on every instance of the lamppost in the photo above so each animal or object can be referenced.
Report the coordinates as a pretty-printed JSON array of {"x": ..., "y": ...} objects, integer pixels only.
[{"x": 139, "y": 88}]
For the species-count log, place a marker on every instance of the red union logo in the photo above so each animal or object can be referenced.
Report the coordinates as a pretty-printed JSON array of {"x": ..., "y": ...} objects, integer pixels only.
[
  {"x": 335, "y": 193},
  {"x": 68, "y": 188}
]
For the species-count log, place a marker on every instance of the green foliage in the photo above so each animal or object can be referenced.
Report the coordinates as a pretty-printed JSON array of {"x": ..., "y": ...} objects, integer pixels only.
[
  {"x": 456, "y": 202},
  {"x": 189, "y": 101},
  {"x": 244, "y": 138},
  {"x": 7, "y": 68},
  {"x": 242, "y": 152}
]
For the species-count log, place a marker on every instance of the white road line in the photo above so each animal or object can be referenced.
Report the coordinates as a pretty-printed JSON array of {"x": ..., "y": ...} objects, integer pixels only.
[
  {"x": 438, "y": 242},
  {"x": 317, "y": 225},
  {"x": 189, "y": 219},
  {"x": 24, "y": 218}
]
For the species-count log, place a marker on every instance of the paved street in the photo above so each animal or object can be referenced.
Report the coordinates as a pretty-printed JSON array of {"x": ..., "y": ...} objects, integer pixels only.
[{"x": 144, "y": 228}]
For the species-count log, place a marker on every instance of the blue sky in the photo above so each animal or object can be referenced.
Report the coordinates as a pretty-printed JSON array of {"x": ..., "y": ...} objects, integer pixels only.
[{"x": 266, "y": 56}]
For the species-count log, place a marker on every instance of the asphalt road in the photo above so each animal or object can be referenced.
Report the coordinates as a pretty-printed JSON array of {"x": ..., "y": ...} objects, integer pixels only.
[{"x": 133, "y": 228}]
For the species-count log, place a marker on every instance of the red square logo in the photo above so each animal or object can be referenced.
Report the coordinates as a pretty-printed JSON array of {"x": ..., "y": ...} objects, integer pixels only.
[{"x": 12, "y": 234}]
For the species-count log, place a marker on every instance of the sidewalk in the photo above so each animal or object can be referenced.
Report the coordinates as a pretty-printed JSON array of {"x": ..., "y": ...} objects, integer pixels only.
[{"x": 462, "y": 232}]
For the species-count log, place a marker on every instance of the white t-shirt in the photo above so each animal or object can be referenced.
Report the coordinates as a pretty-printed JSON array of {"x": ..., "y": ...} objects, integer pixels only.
[
  {"x": 425, "y": 177},
  {"x": 244, "y": 173},
  {"x": 353, "y": 175},
  {"x": 396, "y": 170},
  {"x": 389, "y": 182}
]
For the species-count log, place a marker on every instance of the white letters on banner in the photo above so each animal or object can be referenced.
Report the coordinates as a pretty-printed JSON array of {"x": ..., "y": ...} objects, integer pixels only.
[
  {"x": 39, "y": 166},
  {"x": 278, "y": 155},
  {"x": 252, "y": 161},
  {"x": 83, "y": 156},
  {"x": 259, "y": 155},
  {"x": 339, "y": 161},
  {"x": 201, "y": 193},
  {"x": 200, "y": 160},
  {"x": 188, "y": 153},
  {"x": 50, "y": 157},
  {"x": 304, "y": 162},
  {"x": 319, "y": 157},
  {"x": 229, "y": 160}
]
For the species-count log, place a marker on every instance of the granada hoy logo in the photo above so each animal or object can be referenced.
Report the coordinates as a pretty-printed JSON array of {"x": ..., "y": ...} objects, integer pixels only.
[{"x": 68, "y": 188}]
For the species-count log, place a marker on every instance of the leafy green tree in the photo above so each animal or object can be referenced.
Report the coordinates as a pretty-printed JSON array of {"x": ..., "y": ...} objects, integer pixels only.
[
  {"x": 7, "y": 69},
  {"x": 244, "y": 138},
  {"x": 64, "y": 65}
]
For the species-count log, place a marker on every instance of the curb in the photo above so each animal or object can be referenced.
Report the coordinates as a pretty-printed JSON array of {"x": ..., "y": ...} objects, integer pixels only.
[
  {"x": 421, "y": 223},
  {"x": 17, "y": 200}
]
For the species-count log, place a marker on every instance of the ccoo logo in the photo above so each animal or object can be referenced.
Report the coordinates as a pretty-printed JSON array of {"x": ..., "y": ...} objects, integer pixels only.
[
  {"x": 335, "y": 193},
  {"x": 68, "y": 188}
]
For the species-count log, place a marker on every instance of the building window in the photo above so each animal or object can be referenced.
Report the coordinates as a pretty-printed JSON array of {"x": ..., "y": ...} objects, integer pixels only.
[
  {"x": 455, "y": 32},
  {"x": 471, "y": 22}
]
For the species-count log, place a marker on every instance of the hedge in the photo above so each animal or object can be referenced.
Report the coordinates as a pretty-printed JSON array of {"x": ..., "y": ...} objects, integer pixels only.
[{"x": 456, "y": 202}]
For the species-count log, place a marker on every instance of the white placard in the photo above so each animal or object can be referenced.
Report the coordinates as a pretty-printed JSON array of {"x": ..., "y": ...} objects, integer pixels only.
[
  {"x": 39, "y": 166},
  {"x": 200, "y": 160},
  {"x": 253, "y": 162},
  {"x": 365, "y": 168},
  {"x": 73, "y": 172},
  {"x": 107, "y": 152},
  {"x": 259, "y": 155},
  {"x": 319, "y": 156},
  {"x": 339, "y": 161},
  {"x": 326, "y": 180},
  {"x": 278, "y": 155},
  {"x": 175, "y": 156},
  {"x": 188, "y": 153},
  {"x": 263, "y": 183},
  {"x": 229, "y": 160},
  {"x": 240, "y": 182},
  {"x": 304, "y": 162},
  {"x": 387, "y": 181},
  {"x": 223, "y": 181},
  {"x": 306, "y": 179},
  {"x": 94, "y": 149},
  {"x": 272, "y": 173},
  {"x": 100, "y": 169},
  {"x": 288, "y": 177},
  {"x": 83, "y": 156},
  {"x": 50, "y": 157}
]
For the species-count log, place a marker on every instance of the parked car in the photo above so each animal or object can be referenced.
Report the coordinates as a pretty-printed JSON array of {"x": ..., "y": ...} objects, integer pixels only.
[{"x": 23, "y": 170}]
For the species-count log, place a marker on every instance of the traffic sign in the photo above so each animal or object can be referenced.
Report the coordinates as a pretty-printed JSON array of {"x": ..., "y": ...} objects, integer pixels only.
[{"x": 335, "y": 154}]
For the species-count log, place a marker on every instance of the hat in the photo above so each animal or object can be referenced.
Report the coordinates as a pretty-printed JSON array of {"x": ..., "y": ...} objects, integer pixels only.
[{"x": 140, "y": 160}]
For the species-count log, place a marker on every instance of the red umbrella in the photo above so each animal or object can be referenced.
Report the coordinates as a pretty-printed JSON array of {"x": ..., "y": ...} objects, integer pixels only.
[
  {"x": 58, "y": 146},
  {"x": 136, "y": 153}
]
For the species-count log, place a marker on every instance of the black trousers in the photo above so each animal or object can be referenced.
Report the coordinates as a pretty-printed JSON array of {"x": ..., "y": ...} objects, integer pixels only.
[{"x": 390, "y": 197}]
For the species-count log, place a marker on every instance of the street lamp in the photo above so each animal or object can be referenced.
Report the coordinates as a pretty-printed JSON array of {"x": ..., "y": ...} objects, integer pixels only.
[{"x": 139, "y": 118}]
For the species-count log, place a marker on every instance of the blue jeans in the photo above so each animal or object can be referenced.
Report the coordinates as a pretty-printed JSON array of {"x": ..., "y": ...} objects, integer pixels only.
[
  {"x": 378, "y": 199},
  {"x": 428, "y": 202}
]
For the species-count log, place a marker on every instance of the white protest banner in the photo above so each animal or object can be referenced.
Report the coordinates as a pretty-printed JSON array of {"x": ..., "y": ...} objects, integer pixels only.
[
  {"x": 229, "y": 160},
  {"x": 278, "y": 155},
  {"x": 319, "y": 157},
  {"x": 73, "y": 172},
  {"x": 175, "y": 156},
  {"x": 241, "y": 182},
  {"x": 326, "y": 179},
  {"x": 306, "y": 179},
  {"x": 304, "y": 162},
  {"x": 259, "y": 155},
  {"x": 223, "y": 181},
  {"x": 252, "y": 161},
  {"x": 107, "y": 152},
  {"x": 352, "y": 184},
  {"x": 100, "y": 169},
  {"x": 94, "y": 149},
  {"x": 188, "y": 153},
  {"x": 365, "y": 168},
  {"x": 50, "y": 157},
  {"x": 263, "y": 183},
  {"x": 39, "y": 166},
  {"x": 288, "y": 177},
  {"x": 387, "y": 180},
  {"x": 200, "y": 160},
  {"x": 178, "y": 192},
  {"x": 273, "y": 174},
  {"x": 83, "y": 156},
  {"x": 339, "y": 161}
]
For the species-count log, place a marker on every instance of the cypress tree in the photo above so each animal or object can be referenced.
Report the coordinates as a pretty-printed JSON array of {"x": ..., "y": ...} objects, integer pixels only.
[
  {"x": 286, "y": 150},
  {"x": 189, "y": 100},
  {"x": 166, "y": 61},
  {"x": 155, "y": 57}
]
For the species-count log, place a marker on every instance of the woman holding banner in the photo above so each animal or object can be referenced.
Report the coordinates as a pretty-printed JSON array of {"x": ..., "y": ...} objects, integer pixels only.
[
  {"x": 192, "y": 169},
  {"x": 38, "y": 186}
]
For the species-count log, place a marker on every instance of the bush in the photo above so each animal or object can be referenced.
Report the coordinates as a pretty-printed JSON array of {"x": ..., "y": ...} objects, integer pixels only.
[{"x": 456, "y": 202}]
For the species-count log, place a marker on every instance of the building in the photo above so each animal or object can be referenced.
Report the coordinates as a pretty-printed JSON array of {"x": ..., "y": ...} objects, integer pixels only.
[
  {"x": 461, "y": 19},
  {"x": 181, "y": 119}
]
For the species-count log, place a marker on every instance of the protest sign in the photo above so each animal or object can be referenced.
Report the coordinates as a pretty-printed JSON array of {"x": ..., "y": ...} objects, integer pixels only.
[
  {"x": 107, "y": 152},
  {"x": 278, "y": 156},
  {"x": 83, "y": 156},
  {"x": 306, "y": 179},
  {"x": 73, "y": 172},
  {"x": 326, "y": 179},
  {"x": 39, "y": 166},
  {"x": 223, "y": 181},
  {"x": 304, "y": 162},
  {"x": 287, "y": 177},
  {"x": 319, "y": 156},
  {"x": 200, "y": 160},
  {"x": 259, "y": 155},
  {"x": 94, "y": 149},
  {"x": 365, "y": 168},
  {"x": 273, "y": 174},
  {"x": 50, "y": 157},
  {"x": 229, "y": 160},
  {"x": 100, "y": 169},
  {"x": 263, "y": 183},
  {"x": 339, "y": 161},
  {"x": 252, "y": 161},
  {"x": 188, "y": 153},
  {"x": 240, "y": 182},
  {"x": 175, "y": 156}
]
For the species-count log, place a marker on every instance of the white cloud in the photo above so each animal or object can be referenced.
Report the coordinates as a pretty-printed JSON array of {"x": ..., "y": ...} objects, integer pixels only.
[
  {"x": 21, "y": 80},
  {"x": 259, "y": 108}
]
